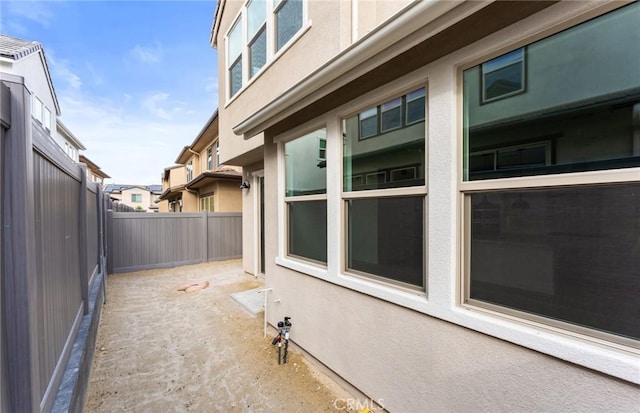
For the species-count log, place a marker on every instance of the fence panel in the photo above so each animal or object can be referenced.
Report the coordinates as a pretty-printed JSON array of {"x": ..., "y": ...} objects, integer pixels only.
[
  {"x": 50, "y": 235},
  {"x": 146, "y": 241},
  {"x": 5, "y": 123},
  {"x": 59, "y": 303},
  {"x": 225, "y": 236}
]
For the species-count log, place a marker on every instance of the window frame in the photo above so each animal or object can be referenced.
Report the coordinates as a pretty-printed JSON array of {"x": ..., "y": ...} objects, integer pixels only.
[
  {"x": 209, "y": 199},
  {"x": 287, "y": 200},
  {"x": 421, "y": 191},
  {"x": 210, "y": 158},
  {"x": 136, "y": 198},
  {"x": 467, "y": 187}
]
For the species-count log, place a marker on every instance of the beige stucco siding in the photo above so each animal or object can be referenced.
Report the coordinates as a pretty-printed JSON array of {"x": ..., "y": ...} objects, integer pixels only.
[
  {"x": 228, "y": 197},
  {"x": 190, "y": 201}
]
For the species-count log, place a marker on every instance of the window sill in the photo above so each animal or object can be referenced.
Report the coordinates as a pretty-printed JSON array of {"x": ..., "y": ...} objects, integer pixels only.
[{"x": 304, "y": 267}]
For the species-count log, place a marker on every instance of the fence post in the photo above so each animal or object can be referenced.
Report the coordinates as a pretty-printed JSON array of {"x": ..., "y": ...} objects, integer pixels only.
[
  {"x": 102, "y": 262},
  {"x": 82, "y": 238},
  {"x": 19, "y": 254},
  {"x": 109, "y": 242},
  {"x": 205, "y": 236}
]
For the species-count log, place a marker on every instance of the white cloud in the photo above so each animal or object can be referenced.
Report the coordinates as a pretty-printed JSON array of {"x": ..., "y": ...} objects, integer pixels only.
[
  {"x": 153, "y": 104},
  {"x": 129, "y": 145},
  {"x": 61, "y": 71},
  {"x": 39, "y": 12},
  {"x": 147, "y": 54}
]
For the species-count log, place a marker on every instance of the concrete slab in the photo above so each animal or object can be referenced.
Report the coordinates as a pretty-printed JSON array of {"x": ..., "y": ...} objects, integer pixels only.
[{"x": 251, "y": 300}]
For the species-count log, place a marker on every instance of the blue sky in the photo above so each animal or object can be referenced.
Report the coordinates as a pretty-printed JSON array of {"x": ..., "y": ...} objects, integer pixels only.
[{"x": 136, "y": 80}]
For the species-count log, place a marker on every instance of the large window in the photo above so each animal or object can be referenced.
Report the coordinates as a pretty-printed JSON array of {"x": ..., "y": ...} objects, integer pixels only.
[
  {"x": 555, "y": 247},
  {"x": 136, "y": 198},
  {"x": 263, "y": 29},
  {"x": 305, "y": 198},
  {"x": 384, "y": 150}
]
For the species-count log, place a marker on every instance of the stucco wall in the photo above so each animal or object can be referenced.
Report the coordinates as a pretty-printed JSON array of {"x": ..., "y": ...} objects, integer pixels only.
[
  {"x": 414, "y": 360},
  {"x": 228, "y": 197},
  {"x": 190, "y": 202},
  {"x": 32, "y": 69}
]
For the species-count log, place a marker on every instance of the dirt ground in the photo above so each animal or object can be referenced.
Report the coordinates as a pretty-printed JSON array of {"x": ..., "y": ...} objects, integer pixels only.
[{"x": 163, "y": 350}]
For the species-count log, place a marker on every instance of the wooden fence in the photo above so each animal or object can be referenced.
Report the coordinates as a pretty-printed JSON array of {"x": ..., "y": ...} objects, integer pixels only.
[
  {"x": 145, "y": 241},
  {"x": 53, "y": 264}
]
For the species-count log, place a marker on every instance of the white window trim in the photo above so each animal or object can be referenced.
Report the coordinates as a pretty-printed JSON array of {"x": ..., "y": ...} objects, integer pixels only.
[
  {"x": 272, "y": 55},
  {"x": 284, "y": 200}
]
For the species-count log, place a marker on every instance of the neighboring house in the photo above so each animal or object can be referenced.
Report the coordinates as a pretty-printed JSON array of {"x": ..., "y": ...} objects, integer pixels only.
[
  {"x": 173, "y": 181},
  {"x": 200, "y": 182},
  {"x": 68, "y": 141},
  {"x": 94, "y": 172},
  {"x": 139, "y": 197},
  {"x": 443, "y": 194},
  {"x": 26, "y": 59}
]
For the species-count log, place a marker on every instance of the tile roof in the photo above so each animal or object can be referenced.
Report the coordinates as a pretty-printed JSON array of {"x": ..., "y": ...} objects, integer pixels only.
[
  {"x": 121, "y": 187},
  {"x": 16, "y": 49}
]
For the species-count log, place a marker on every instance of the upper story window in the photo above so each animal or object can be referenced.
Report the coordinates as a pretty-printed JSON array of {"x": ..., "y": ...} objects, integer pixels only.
[
  {"x": 257, "y": 35},
  {"x": 210, "y": 158},
  {"x": 218, "y": 154},
  {"x": 234, "y": 58},
  {"x": 189, "y": 169},
  {"x": 137, "y": 198},
  {"x": 263, "y": 28},
  {"x": 40, "y": 112},
  {"x": 288, "y": 20}
]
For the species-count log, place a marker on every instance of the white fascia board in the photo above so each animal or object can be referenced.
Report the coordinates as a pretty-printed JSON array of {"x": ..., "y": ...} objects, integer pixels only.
[
  {"x": 217, "y": 18},
  {"x": 348, "y": 65}
]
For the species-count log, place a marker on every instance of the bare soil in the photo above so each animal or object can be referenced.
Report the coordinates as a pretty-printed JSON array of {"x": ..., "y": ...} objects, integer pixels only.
[{"x": 163, "y": 350}]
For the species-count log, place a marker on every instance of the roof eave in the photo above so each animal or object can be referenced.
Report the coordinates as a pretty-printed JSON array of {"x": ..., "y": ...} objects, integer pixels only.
[
  {"x": 70, "y": 135},
  {"x": 216, "y": 23},
  {"x": 204, "y": 177}
]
